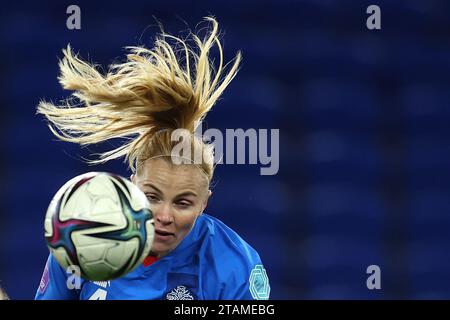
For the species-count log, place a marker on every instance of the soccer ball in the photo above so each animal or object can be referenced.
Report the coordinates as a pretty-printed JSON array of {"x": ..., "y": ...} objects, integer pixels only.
[{"x": 101, "y": 223}]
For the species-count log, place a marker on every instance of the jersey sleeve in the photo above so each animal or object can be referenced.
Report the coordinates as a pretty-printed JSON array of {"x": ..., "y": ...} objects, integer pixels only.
[
  {"x": 248, "y": 281},
  {"x": 54, "y": 283},
  {"x": 236, "y": 273},
  {"x": 230, "y": 268}
]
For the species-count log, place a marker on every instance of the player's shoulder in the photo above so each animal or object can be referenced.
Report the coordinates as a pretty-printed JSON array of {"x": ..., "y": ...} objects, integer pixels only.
[
  {"x": 233, "y": 268},
  {"x": 226, "y": 245}
]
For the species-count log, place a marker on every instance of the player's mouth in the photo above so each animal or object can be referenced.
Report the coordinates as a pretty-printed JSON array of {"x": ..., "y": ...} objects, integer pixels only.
[{"x": 163, "y": 235}]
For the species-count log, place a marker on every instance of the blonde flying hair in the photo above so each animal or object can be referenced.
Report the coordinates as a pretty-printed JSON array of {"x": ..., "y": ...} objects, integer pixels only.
[{"x": 142, "y": 100}]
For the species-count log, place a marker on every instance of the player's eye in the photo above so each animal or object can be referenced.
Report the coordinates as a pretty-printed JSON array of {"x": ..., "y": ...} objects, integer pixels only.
[
  {"x": 152, "y": 197},
  {"x": 183, "y": 203}
]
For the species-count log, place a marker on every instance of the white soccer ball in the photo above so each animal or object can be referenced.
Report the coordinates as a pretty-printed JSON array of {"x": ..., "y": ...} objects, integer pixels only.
[{"x": 101, "y": 223}]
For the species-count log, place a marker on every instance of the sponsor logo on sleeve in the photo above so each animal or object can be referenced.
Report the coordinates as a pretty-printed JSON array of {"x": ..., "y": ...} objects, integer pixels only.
[
  {"x": 44, "y": 280},
  {"x": 259, "y": 283}
]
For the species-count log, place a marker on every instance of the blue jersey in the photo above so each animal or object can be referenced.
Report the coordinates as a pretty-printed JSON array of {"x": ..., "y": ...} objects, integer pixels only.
[{"x": 212, "y": 262}]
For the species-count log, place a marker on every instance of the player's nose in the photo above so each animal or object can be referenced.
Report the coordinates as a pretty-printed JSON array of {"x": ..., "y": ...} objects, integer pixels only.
[{"x": 163, "y": 214}]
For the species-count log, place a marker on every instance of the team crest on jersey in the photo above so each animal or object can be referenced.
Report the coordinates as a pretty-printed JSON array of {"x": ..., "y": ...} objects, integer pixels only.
[
  {"x": 180, "y": 293},
  {"x": 181, "y": 286},
  {"x": 259, "y": 283}
]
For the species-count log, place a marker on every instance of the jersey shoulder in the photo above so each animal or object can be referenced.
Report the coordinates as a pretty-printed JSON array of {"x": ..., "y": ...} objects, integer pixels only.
[
  {"x": 226, "y": 243},
  {"x": 237, "y": 270}
]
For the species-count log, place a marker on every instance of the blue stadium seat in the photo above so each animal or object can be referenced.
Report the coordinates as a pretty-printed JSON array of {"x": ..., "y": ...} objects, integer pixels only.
[
  {"x": 427, "y": 161},
  {"x": 428, "y": 265},
  {"x": 428, "y": 214},
  {"x": 250, "y": 202},
  {"x": 346, "y": 106},
  {"x": 333, "y": 156},
  {"x": 337, "y": 265},
  {"x": 425, "y": 107}
]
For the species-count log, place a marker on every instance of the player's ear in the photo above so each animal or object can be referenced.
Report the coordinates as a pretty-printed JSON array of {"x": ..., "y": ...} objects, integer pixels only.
[
  {"x": 133, "y": 178},
  {"x": 205, "y": 203}
]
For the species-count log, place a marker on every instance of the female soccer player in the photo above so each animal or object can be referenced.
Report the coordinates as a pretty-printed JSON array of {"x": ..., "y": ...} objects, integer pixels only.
[{"x": 144, "y": 100}]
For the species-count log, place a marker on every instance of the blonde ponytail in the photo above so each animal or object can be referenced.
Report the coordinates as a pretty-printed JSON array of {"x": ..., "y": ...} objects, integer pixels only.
[{"x": 143, "y": 99}]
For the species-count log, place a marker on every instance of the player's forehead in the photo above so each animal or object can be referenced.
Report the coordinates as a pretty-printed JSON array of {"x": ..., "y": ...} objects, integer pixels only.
[{"x": 162, "y": 174}]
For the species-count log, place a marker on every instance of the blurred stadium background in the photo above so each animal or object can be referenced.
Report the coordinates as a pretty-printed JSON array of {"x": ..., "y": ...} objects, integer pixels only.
[{"x": 364, "y": 119}]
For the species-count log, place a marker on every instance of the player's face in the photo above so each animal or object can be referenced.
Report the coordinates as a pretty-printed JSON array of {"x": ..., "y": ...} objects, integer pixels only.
[{"x": 177, "y": 194}]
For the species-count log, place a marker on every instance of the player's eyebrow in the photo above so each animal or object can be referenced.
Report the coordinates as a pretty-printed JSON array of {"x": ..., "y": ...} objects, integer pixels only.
[
  {"x": 187, "y": 193},
  {"x": 151, "y": 185},
  {"x": 183, "y": 194}
]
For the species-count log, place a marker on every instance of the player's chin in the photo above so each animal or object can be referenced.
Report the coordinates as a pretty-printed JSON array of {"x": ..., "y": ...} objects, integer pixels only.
[
  {"x": 161, "y": 246},
  {"x": 160, "y": 251}
]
